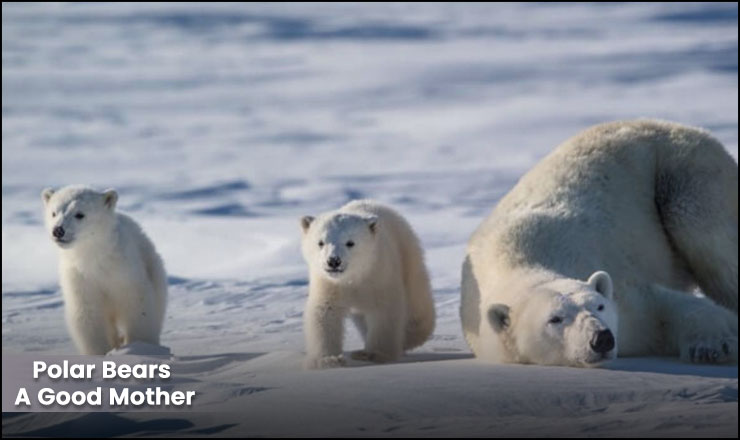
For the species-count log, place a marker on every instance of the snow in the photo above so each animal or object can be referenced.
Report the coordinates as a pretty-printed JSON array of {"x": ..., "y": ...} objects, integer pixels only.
[{"x": 221, "y": 125}]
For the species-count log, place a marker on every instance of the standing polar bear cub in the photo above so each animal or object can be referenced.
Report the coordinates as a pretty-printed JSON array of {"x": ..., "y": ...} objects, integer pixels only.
[
  {"x": 364, "y": 262},
  {"x": 113, "y": 281},
  {"x": 597, "y": 249}
]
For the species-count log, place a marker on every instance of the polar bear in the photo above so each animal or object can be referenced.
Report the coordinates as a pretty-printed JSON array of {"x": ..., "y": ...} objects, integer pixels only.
[
  {"x": 113, "y": 281},
  {"x": 619, "y": 223},
  {"x": 364, "y": 262}
]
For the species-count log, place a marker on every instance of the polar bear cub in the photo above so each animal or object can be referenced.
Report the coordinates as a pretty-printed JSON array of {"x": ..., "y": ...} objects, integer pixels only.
[
  {"x": 598, "y": 249},
  {"x": 113, "y": 281},
  {"x": 364, "y": 262}
]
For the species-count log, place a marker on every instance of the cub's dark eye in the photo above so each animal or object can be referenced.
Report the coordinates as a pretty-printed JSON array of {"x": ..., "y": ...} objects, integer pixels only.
[
  {"x": 53, "y": 214},
  {"x": 350, "y": 243},
  {"x": 79, "y": 216},
  {"x": 600, "y": 308},
  {"x": 555, "y": 320},
  {"x": 321, "y": 243}
]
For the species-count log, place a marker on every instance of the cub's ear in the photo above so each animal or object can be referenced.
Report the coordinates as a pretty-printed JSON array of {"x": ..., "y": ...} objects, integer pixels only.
[
  {"x": 601, "y": 282},
  {"x": 372, "y": 223},
  {"x": 306, "y": 221},
  {"x": 46, "y": 194},
  {"x": 498, "y": 316},
  {"x": 110, "y": 197}
]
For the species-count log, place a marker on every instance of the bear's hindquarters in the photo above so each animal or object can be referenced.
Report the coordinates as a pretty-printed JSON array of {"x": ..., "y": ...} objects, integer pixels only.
[
  {"x": 696, "y": 195},
  {"x": 420, "y": 304}
]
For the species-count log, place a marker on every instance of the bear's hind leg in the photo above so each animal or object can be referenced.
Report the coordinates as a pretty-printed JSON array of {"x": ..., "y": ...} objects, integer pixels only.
[
  {"x": 696, "y": 196},
  {"x": 385, "y": 332},
  {"x": 360, "y": 323}
]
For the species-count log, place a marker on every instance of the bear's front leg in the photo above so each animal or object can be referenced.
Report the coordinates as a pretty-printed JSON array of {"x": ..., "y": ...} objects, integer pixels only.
[
  {"x": 324, "y": 331},
  {"x": 702, "y": 331},
  {"x": 89, "y": 320},
  {"x": 385, "y": 332},
  {"x": 138, "y": 316}
]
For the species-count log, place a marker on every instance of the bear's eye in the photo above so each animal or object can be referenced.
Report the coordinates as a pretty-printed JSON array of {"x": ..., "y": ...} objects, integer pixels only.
[
  {"x": 54, "y": 214},
  {"x": 600, "y": 308},
  {"x": 321, "y": 243},
  {"x": 555, "y": 320},
  {"x": 350, "y": 243},
  {"x": 79, "y": 216}
]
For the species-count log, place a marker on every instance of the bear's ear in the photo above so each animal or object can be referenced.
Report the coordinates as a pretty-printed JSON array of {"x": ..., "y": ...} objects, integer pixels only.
[
  {"x": 498, "y": 316},
  {"x": 372, "y": 223},
  {"x": 306, "y": 221},
  {"x": 110, "y": 197},
  {"x": 46, "y": 194},
  {"x": 601, "y": 282}
]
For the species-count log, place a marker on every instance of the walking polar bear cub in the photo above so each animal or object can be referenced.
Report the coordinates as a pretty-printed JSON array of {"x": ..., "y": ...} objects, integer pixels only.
[
  {"x": 597, "y": 249},
  {"x": 113, "y": 281},
  {"x": 364, "y": 262}
]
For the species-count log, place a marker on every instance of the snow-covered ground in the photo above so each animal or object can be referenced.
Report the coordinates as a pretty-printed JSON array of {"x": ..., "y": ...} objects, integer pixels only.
[{"x": 221, "y": 125}]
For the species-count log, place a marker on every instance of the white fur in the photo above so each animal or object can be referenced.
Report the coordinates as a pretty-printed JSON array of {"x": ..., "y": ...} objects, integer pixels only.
[
  {"x": 113, "y": 281},
  {"x": 654, "y": 204},
  {"x": 381, "y": 283}
]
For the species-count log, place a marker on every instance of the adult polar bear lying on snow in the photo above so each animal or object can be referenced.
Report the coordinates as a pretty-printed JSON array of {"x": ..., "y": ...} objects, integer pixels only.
[
  {"x": 113, "y": 281},
  {"x": 621, "y": 221},
  {"x": 365, "y": 262}
]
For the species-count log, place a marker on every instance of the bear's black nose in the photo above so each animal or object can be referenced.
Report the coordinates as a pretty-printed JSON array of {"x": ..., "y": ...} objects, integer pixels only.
[
  {"x": 603, "y": 341},
  {"x": 334, "y": 262},
  {"x": 58, "y": 232}
]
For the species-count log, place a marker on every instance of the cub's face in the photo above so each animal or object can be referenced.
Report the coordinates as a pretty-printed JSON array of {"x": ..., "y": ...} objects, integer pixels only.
[
  {"x": 339, "y": 247},
  {"x": 563, "y": 322},
  {"x": 75, "y": 215}
]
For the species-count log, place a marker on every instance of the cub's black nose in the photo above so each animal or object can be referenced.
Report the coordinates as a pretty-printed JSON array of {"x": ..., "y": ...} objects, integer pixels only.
[
  {"x": 602, "y": 341},
  {"x": 334, "y": 262},
  {"x": 58, "y": 232}
]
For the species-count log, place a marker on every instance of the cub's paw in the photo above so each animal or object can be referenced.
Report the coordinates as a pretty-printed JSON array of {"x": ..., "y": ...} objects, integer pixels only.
[
  {"x": 369, "y": 356},
  {"x": 320, "y": 363},
  {"x": 710, "y": 350}
]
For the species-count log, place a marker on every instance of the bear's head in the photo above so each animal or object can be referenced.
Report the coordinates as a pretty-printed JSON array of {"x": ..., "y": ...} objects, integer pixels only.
[
  {"x": 76, "y": 215},
  {"x": 340, "y": 247},
  {"x": 559, "y": 322}
]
